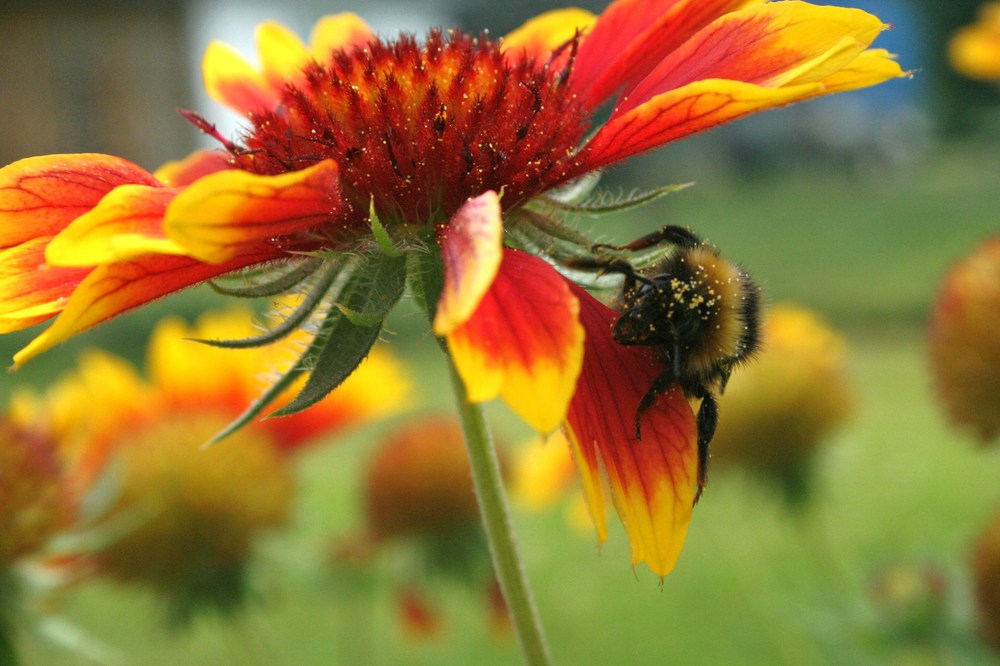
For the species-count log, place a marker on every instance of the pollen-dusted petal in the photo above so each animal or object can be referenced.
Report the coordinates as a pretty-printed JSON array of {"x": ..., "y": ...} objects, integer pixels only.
[
  {"x": 471, "y": 248},
  {"x": 632, "y": 36},
  {"x": 652, "y": 480},
  {"x": 523, "y": 342},
  {"x": 338, "y": 31},
  {"x": 282, "y": 54},
  {"x": 30, "y": 290},
  {"x": 112, "y": 289},
  {"x": 179, "y": 173},
  {"x": 779, "y": 44},
  {"x": 217, "y": 217},
  {"x": 128, "y": 222},
  {"x": 234, "y": 82},
  {"x": 539, "y": 36},
  {"x": 39, "y": 196}
]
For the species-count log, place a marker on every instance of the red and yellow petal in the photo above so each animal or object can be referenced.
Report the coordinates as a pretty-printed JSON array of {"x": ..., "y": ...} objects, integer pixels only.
[
  {"x": 39, "y": 196},
  {"x": 198, "y": 164},
  {"x": 471, "y": 250},
  {"x": 283, "y": 56},
  {"x": 127, "y": 223},
  {"x": 231, "y": 212},
  {"x": 338, "y": 31},
  {"x": 653, "y": 480},
  {"x": 112, "y": 289},
  {"x": 787, "y": 52},
  {"x": 540, "y": 36},
  {"x": 234, "y": 82},
  {"x": 31, "y": 291},
  {"x": 779, "y": 44},
  {"x": 632, "y": 36},
  {"x": 679, "y": 113},
  {"x": 523, "y": 342}
]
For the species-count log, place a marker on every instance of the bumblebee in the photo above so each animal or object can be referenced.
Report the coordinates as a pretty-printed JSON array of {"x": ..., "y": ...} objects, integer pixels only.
[{"x": 700, "y": 312}]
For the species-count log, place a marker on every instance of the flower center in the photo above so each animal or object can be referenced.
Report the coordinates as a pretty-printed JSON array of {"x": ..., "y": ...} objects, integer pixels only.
[{"x": 418, "y": 129}]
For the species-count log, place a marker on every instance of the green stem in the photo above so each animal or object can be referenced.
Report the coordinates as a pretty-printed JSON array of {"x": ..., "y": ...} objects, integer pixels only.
[{"x": 499, "y": 531}]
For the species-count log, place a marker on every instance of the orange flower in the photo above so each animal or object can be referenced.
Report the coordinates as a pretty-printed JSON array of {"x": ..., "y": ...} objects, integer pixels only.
[
  {"x": 777, "y": 409},
  {"x": 166, "y": 512},
  {"x": 986, "y": 582},
  {"x": 419, "y": 496},
  {"x": 963, "y": 344},
  {"x": 975, "y": 49},
  {"x": 370, "y": 163},
  {"x": 33, "y": 501}
]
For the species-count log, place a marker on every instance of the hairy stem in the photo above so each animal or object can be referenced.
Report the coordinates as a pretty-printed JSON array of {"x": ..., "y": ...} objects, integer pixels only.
[{"x": 495, "y": 513}]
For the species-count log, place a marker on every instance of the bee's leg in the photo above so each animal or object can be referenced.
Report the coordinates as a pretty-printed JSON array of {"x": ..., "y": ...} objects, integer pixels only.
[
  {"x": 671, "y": 233},
  {"x": 609, "y": 266},
  {"x": 707, "y": 419},
  {"x": 659, "y": 385}
]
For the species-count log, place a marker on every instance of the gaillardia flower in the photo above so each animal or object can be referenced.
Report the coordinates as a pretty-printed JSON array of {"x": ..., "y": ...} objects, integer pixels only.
[
  {"x": 974, "y": 50},
  {"x": 986, "y": 582},
  {"x": 34, "y": 506},
  {"x": 963, "y": 344},
  {"x": 779, "y": 408},
  {"x": 419, "y": 501},
  {"x": 34, "y": 503},
  {"x": 373, "y": 166},
  {"x": 157, "y": 508}
]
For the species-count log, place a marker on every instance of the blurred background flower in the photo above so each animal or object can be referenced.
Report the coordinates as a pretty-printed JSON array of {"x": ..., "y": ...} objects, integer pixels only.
[
  {"x": 34, "y": 506},
  {"x": 159, "y": 509},
  {"x": 421, "y": 525},
  {"x": 986, "y": 582},
  {"x": 779, "y": 408},
  {"x": 975, "y": 49},
  {"x": 964, "y": 344}
]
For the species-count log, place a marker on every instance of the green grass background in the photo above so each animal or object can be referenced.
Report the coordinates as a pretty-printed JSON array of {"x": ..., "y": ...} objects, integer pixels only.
[{"x": 897, "y": 489}]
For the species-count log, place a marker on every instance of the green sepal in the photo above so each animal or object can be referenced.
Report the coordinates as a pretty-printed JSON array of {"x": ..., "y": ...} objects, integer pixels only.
[
  {"x": 339, "y": 346},
  {"x": 258, "y": 406},
  {"x": 425, "y": 276},
  {"x": 545, "y": 236},
  {"x": 358, "y": 318},
  {"x": 382, "y": 237},
  {"x": 291, "y": 322},
  {"x": 602, "y": 206},
  {"x": 375, "y": 287},
  {"x": 575, "y": 190},
  {"x": 273, "y": 285},
  {"x": 347, "y": 347}
]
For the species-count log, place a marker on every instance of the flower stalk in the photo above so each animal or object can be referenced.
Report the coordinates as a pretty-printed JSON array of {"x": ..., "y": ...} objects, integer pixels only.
[{"x": 495, "y": 511}]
